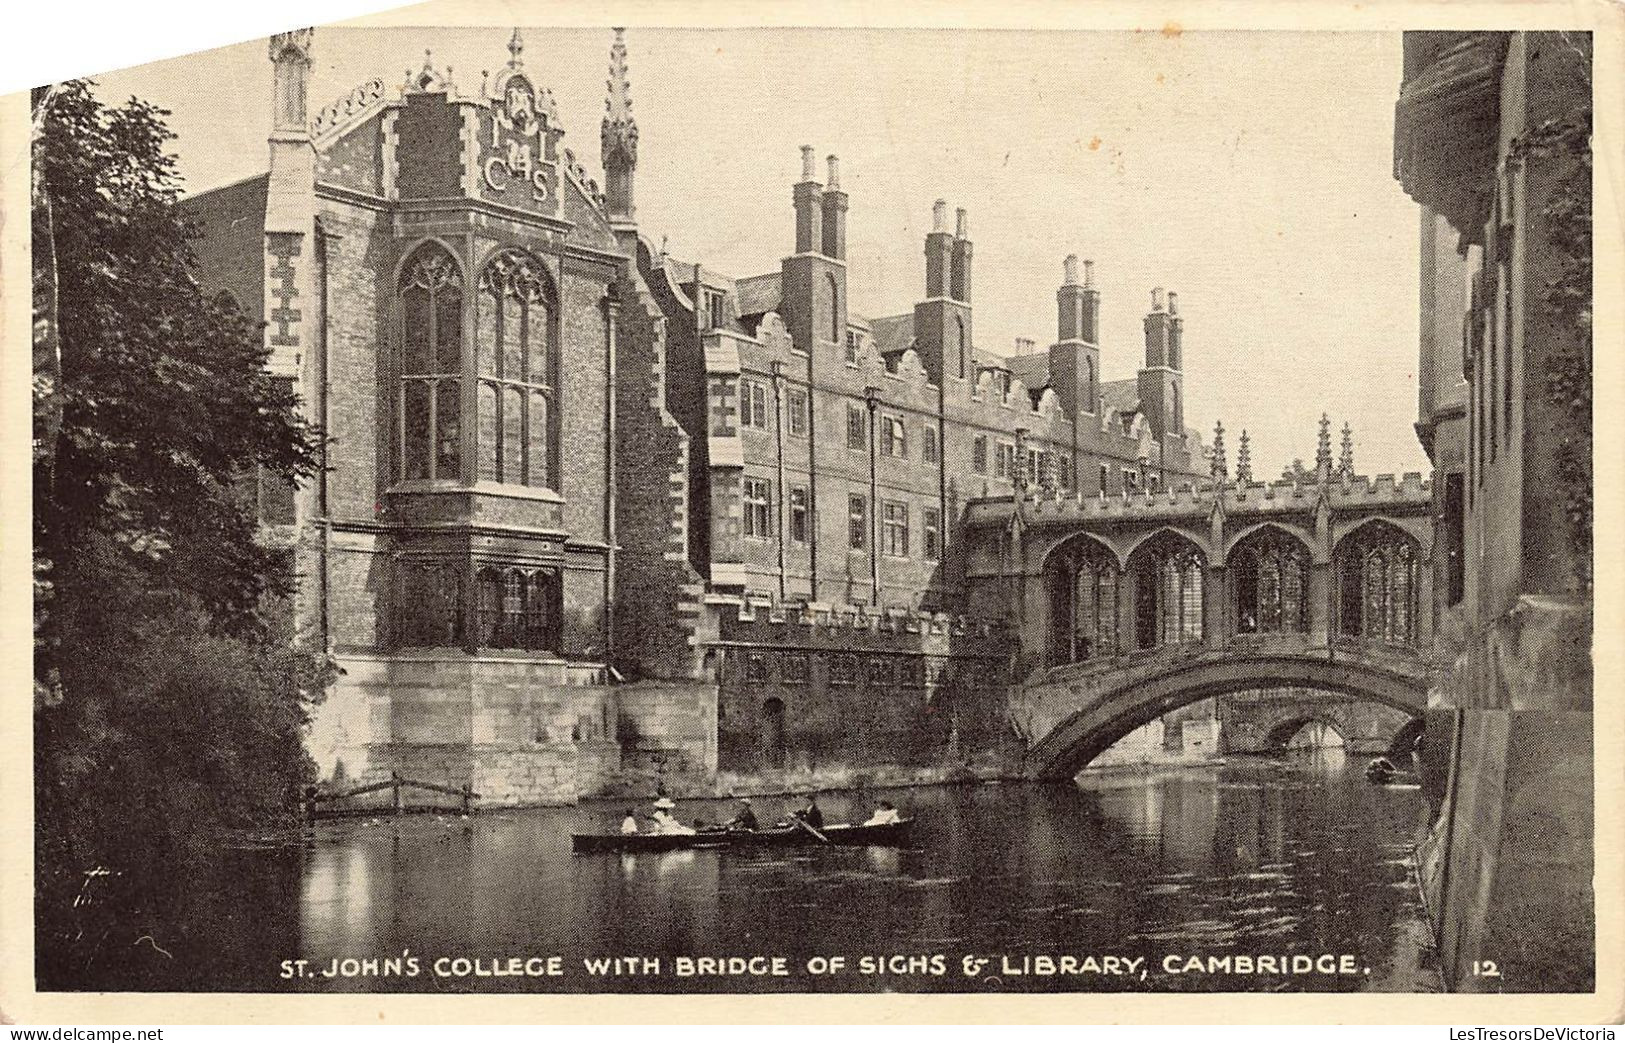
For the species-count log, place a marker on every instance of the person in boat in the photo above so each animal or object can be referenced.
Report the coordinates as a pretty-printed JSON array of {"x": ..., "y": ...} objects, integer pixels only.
[
  {"x": 665, "y": 823},
  {"x": 810, "y": 814},
  {"x": 746, "y": 819},
  {"x": 629, "y": 824},
  {"x": 885, "y": 815}
]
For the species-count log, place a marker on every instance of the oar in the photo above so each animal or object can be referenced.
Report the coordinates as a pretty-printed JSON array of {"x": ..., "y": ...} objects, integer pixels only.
[{"x": 808, "y": 826}]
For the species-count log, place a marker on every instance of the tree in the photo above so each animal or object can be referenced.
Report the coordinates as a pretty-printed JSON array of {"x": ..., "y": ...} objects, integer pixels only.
[{"x": 170, "y": 697}]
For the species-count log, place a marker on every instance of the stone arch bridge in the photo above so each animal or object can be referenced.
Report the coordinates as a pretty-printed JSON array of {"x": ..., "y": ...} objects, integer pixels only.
[{"x": 1128, "y": 607}]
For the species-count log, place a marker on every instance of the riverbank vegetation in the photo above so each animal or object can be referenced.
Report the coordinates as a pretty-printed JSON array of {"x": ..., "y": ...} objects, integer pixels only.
[{"x": 169, "y": 696}]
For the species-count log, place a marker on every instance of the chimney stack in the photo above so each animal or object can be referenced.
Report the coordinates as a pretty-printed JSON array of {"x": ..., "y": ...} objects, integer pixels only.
[
  {"x": 808, "y": 199},
  {"x": 959, "y": 276},
  {"x": 835, "y": 204},
  {"x": 939, "y": 249}
]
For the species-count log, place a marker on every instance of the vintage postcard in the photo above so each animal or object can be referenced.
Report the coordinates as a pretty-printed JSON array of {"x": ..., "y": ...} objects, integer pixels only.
[{"x": 1025, "y": 512}]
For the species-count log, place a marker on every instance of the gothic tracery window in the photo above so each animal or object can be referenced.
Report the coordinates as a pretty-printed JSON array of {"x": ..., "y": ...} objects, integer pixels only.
[
  {"x": 430, "y": 404},
  {"x": 1378, "y": 573},
  {"x": 518, "y": 608},
  {"x": 517, "y": 365},
  {"x": 1168, "y": 595},
  {"x": 1271, "y": 572}
]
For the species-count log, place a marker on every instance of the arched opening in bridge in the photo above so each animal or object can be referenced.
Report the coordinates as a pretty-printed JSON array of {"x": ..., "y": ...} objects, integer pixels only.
[
  {"x": 1378, "y": 567},
  {"x": 1153, "y": 688},
  {"x": 1083, "y": 582},
  {"x": 1311, "y": 733},
  {"x": 1271, "y": 583},
  {"x": 1166, "y": 575},
  {"x": 1406, "y": 741},
  {"x": 773, "y": 744}
]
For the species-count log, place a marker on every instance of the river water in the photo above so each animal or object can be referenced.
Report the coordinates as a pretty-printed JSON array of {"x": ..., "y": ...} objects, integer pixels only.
[{"x": 1253, "y": 859}]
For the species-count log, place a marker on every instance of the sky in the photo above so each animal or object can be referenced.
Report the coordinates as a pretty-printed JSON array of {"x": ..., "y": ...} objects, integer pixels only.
[{"x": 1250, "y": 172}]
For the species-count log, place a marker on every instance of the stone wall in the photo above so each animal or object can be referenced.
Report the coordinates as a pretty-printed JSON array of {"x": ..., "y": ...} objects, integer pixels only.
[
  {"x": 1507, "y": 865},
  {"x": 669, "y": 727},
  {"x": 519, "y": 731}
]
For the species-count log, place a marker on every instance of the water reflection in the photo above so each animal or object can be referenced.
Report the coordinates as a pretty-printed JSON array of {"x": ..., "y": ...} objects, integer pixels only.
[{"x": 1297, "y": 855}]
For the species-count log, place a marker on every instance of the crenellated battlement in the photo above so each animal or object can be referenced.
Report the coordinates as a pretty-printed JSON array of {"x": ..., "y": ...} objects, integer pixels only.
[
  {"x": 853, "y": 627},
  {"x": 1046, "y": 505}
]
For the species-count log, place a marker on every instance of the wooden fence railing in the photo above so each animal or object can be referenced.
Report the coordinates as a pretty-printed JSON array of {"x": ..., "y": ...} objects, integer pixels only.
[{"x": 315, "y": 798}]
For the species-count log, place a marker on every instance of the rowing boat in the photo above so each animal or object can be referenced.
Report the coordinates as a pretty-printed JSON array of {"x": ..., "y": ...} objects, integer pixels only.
[{"x": 890, "y": 834}]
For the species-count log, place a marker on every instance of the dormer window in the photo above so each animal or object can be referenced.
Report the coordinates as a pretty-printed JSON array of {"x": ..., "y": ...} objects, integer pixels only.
[{"x": 716, "y": 309}]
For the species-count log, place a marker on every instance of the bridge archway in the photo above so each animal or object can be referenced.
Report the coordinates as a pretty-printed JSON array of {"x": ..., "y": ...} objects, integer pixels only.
[
  {"x": 1280, "y": 737},
  {"x": 1405, "y": 739},
  {"x": 1082, "y": 736}
]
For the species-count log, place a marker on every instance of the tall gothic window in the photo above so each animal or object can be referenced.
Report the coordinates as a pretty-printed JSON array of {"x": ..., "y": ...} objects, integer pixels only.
[
  {"x": 1168, "y": 588},
  {"x": 1084, "y": 584},
  {"x": 430, "y": 404},
  {"x": 1378, "y": 575},
  {"x": 518, "y": 608},
  {"x": 959, "y": 344},
  {"x": 517, "y": 367},
  {"x": 1271, "y": 571}
]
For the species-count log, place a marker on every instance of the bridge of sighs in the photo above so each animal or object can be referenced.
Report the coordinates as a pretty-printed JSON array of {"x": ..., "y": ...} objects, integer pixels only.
[{"x": 1130, "y": 606}]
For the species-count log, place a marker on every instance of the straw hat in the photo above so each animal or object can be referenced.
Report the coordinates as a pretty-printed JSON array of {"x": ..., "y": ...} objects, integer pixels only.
[{"x": 665, "y": 803}]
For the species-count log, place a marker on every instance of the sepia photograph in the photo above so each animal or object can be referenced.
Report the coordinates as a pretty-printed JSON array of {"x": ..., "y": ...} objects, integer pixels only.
[{"x": 532, "y": 507}]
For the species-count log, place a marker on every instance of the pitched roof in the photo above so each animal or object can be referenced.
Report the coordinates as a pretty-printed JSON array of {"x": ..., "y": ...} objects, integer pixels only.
[
  {"x": 1122, "y": 396},
  {"x": 892, "y": 333},
  {"x": 759, "y": 293},
  {"x": 1032, "y": 370}
]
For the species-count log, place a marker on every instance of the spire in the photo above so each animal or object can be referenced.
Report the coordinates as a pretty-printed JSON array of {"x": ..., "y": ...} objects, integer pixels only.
[
  {"x": 516, "y": 47},
  {"x": 618, "y": 135},
  {"x": 1244, "y": 461},
  {"x": 618, "y": 106},
  {"x": 1323, "y": 449},
  {"x": 1221, "y": 470},
  {"x": 1345, "y": 463}
]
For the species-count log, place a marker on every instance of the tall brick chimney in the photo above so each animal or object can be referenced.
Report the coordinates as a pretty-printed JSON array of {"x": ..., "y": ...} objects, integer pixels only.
[
  {"x": 1091, "y": 305},
  {"x": 808, "y": 197},
  {"x": 959, "y": 273},
  {"x": 1074, "y": 360},
  {"x": 1160, "y": 379},
  {"x": 939, "y": 248},
  {"x": 835, "y": 204}
]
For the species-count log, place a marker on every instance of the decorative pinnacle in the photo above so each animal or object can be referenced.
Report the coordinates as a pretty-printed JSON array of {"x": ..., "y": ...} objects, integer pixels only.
[
  {"x": 516, "y": 47},
  {"x": 1323, "y": 447},
  {"x": 618, "y": 105},
  {"x": 1244, "y": 460},
  {"x": 294, "y": 44},
  {"x": 1221, "y": 470},
  {"x": 1345, "y": 464}
]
